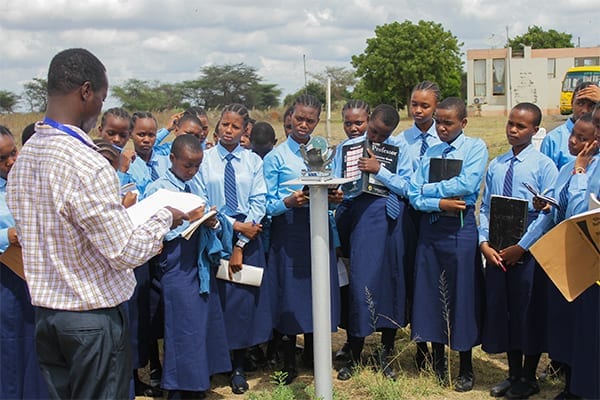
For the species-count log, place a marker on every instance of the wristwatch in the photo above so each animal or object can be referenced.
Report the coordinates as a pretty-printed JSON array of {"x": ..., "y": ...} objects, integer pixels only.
[
  {"x": 579, "y": 170},
  {"x": 241, "y": 244}
]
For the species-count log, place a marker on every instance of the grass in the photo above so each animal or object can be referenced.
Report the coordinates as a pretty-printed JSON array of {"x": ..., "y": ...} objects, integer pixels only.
[{"x": 367, "y": 384}]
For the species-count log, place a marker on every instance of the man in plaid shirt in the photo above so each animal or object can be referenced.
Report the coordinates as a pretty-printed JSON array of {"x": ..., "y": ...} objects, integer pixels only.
[{"x": 79, "y": 245}]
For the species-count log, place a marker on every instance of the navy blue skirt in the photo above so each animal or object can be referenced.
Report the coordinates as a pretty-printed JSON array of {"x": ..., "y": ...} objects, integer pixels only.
[
  {"x": 195, "y": 339},
  {"x": 20, "y": 375},
  {"x": 515, "y": 307},
  {"x": 559, "y": 325},
  {"x": 290, "y": 257},
  {"x": 448, "y": 283},
  {"x": 139, "y": 317},
  {"x": 377, "y": 292},
  {"x": 247, "y": 309},
  {"x": 585, "y": 360}
]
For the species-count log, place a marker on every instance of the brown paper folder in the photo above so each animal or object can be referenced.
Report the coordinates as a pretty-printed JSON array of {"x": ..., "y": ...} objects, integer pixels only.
[
  {"x": 570, "y": 253},
  {"x": 13, "y": 259}
]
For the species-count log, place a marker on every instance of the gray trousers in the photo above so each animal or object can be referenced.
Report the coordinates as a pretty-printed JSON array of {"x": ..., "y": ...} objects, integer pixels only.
[{"x": 84, "y": 354}]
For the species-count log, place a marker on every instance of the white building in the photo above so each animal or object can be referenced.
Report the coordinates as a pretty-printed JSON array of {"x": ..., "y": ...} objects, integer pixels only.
[{"x": 497, "y": 79}]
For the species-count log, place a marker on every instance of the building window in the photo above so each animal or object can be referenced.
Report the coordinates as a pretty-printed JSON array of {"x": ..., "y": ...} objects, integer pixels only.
[
  {"x": 586, "y": 61},
  {"x": 479, "y": 78},
  {"x": 498, "y": 76},
  {"x": 551, "y": 68}
]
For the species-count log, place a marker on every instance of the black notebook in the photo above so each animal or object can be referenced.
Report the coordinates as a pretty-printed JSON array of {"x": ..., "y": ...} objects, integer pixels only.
[
  {"x": 508, "y": 221},
  {"x": 441, "y": 169},
  {"x": 365, "y": 182}
]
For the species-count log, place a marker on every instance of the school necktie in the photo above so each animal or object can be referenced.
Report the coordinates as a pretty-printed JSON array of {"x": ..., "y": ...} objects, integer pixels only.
[
  {"x": 392, "y": 206},
  {"x": 447, "y": 150},
  {"x": 187, "y": 189},
  {"x": 563, "y": 202},
  {"x": 508, "y": 179},
  {"x": 153, "y": 172},
  {"x": 424, "y": 145},
  {"x": 230, "y": 191}
]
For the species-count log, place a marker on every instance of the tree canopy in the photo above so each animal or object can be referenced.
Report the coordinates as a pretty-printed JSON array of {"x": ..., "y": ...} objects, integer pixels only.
[
  {"x": 136, "y": 94},
  {"x": 8, "y": 101},
  {"x": 35, "y": 93},
  {"x": 538, "y": 38},
  {"x": 404, "y": 54}
]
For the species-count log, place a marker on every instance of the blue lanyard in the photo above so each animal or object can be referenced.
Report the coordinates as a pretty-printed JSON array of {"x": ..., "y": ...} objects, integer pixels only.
[{"x": 67, "y": 130}]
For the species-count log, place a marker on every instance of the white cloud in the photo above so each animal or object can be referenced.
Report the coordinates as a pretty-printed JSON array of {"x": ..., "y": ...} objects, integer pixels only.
[{"x": 171, "y": 40}]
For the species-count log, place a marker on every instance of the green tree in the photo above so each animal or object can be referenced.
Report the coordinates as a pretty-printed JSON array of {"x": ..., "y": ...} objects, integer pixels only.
[
  {"x": 342, "y": 80},
  {"x": 8, "y": 101},
  {"x": 538, "y": 38},
  {"x": 136, "y": 94},
  {"x": 35, "y": 94},
  {"x": 404, "y": 54},
  {"x": 220, "y": 85},
  {"x": 312, "y": 87}
]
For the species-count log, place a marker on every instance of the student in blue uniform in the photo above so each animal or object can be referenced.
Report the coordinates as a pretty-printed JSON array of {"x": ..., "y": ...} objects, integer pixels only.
[
  {"x": 585, "y": 365},
  {"x": 197, "y": 126},
  {"x": 555, "y": 144},
  {"x": 115, "y": 126},
  {"x": 418, "y": 138},
  {"x": 373, "y": 228},
  {"x": 145, "y": 166},
  {"x": 355, "y": 117},
  {"x": 232, "y": 180},
  {"x": 290, "y": 236},
  {"x": 515, "y": 297},
  {"x": 448, "y": 272},
  {"x": 564, "y": 342},
  {"x": 194, "y": 327},
  {"x": 20, "y": 375}
]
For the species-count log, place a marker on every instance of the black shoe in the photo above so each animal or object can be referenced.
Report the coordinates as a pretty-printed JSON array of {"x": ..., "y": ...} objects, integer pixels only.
[
  {"x": 290, "y": 375},
  {"x": 566, "y": 395},
  {"x": 239, "y": 385},
  {"x": 256, "y": 356},
  {"x": 383, "y": 361},
  {"x": 522, "y": 389},
  {"x": 464, "y": 382},
  {"x": 143, "y": 389},
  {"x": 346, "y": 371},
  {"x": 500, "y": 389},
  {"x": 343, "y": 354}
]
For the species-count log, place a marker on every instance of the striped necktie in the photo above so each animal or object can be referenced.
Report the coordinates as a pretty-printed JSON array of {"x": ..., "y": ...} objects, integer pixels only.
[
  {"x": 424, "y": 145},
  {"x": 563, "y": 202},
  {"x": 153, "y": 172},
  {"x": 508, "y": 179},
  {"x": 392, "y": 206},
  {"x": 230, "y": 190},
  {"x": 447, "y": 150}
]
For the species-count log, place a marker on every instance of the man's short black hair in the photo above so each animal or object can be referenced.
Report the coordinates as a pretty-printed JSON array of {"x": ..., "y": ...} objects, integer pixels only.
[{"x": 70, "y": 68}]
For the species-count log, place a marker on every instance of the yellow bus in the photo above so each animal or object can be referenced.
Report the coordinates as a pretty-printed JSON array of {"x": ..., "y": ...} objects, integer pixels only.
[{"x": 574, "y": 77}]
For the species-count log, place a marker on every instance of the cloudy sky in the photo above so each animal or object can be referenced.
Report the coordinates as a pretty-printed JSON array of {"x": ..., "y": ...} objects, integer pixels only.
[{"x": 171, "y": 40}]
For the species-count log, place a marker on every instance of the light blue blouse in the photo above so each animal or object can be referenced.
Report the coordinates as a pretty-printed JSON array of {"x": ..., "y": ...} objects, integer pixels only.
[
  {"x": 426, "y": 196},
  {"x": 556, "y": 144},
  {"x": 6, "y": 219},
  {"x": 577, "y": 201},
  {"x": 530, "y": 166},
  {"x": 139, "y": 171},
  {"x": 282, "y": 164},
  {"x": 397, "y": 182},
  {"x": 412, "y": 138},
  {"x": 250, "y": 182}
]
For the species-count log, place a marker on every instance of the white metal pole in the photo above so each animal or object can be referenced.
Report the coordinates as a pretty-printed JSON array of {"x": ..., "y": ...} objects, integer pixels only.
[
  {"x": 321, "y": 300},
  {"x": 328, "y": 109}
]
